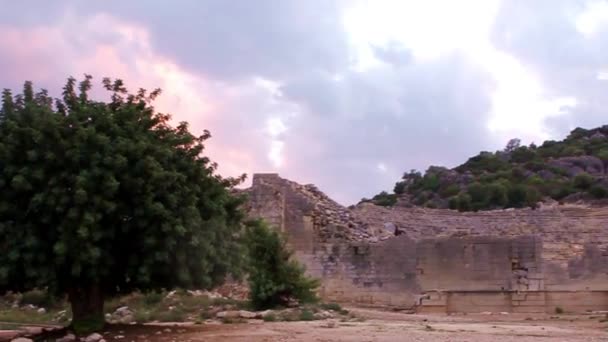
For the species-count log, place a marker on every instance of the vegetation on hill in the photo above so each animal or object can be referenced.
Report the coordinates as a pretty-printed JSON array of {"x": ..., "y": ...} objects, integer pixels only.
[
  {"x": 518, "y": 176},
  {"x": 99, "y": 198}
]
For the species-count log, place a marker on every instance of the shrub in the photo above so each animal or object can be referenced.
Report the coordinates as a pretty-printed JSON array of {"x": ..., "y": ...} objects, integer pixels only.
[
  {"x": 598, "y": 191},
  {"x": 306, "y": 315},
  {"x": 399, "y": 188},
  {"x": 331, "y": 306},
  {"x": 152, "y": 298},
  {"x": 37, "y": 297},
  {"x": 450, "y": 190},
  {"x": 497, "y": 195},
  {"x": 583, "y": 180},
  {"x": 430, "y": 182},
  {"x": 275, "y": 277},
  {"x": 453, "y": 203},
  {"x": 385, "y": 199},
  {"x": 464, "y": 202},
  {"x": 269, "y": 318},
  {"x": 175, "y": 315},
  {"x": 517, "y": 196}
]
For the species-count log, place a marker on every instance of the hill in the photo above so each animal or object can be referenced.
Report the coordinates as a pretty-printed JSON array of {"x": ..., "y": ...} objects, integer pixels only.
[{"x": 570, "y": 170}]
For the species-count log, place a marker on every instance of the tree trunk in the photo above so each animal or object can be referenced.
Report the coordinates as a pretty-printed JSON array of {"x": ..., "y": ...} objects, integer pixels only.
[{"x": 87, "y": 309}]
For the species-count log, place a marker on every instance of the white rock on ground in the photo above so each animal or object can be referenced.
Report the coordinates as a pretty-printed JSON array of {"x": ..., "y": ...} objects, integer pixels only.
[
  {"x": 95, "y": 337},
  {"x": 67, "y": 338}
]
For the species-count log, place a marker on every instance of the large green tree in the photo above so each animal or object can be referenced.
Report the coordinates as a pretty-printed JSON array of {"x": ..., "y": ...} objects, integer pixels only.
[{"x": 104, "y": 197}]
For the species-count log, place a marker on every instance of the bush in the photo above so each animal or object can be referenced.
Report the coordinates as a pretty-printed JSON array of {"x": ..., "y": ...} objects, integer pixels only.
[
  {"x": 517, "y": 196},
  {"x": 152, "y": 298},
  {"x": 385, "y": 199},
  {"x": 583, "y": 181},
  {"x": 450, "y": 190},
  {"x": 598, "y": 191},
  {"x": 464, "y": 202},
  {"x": 37, "y": 297},
  {"x": 331, "y": 306},
  {"x": 269, "y": 318},
  {"x": 399, "y": 188},
  {"x": 497, "y": 194},
  {"x": 453, "y": 203},
  {"x": 306, "y": 315},
  {"x": 274, "y": 277}
]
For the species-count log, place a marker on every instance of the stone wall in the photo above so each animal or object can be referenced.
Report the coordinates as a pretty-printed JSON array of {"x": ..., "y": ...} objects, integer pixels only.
[{"x": 505, "y": 260}]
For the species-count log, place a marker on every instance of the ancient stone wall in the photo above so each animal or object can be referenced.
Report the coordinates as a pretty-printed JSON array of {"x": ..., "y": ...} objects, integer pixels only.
[{"x": 505, "y": 260}]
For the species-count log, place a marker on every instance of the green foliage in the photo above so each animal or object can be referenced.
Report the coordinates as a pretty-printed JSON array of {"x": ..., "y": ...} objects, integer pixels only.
[
  {"x": 153, "y": 297},
  {"x": 598, "y": 191},
  {"x": 399, "y": 188},
  {"x": 485, "y": 161},
  {"x": 523, "y": 154},
  {"x": 275, "y": 277},
  {"x": 430, "y": 182},
  {"x": 38, "y": 298},
  {"x": 307, "y": 315},
  {"x": 109, "y": 196},
  {"x": 385, "y": 199},
  {"x": 269, "y": 317},
  {"x": 464, "y": 202},
  {"x": 331, "y": 306},
  {"x": 453, "y": 203},
  {"x": 450, "y": 190},
  {"x": 583, "y": 181}
]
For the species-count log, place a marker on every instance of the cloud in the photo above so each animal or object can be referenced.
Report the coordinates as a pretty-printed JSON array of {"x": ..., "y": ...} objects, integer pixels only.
[
  {"x": 401, "y": 118},
  {"x": 229, "y": 40},
  {"x": 564, "y": 42}
]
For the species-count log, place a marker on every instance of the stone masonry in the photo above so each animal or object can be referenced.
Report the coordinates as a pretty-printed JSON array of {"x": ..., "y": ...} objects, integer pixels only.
[{"x": 442, "y": 260}]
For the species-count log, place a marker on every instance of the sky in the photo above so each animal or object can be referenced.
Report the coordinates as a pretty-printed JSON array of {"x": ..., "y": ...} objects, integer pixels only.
[{"x": 344, "y": 94}]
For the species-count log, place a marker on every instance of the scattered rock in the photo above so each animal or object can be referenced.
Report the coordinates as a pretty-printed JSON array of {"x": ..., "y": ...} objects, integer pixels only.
[
  {"x": 61, "y": 315},
  {"x": 41, "y": 311},
  {"x": 67, "y": 338},
  {"x": 324, "y": 315},
  {"x": 262, "y": 314},
  {"x": 122, "y": 315},
  {"x": 94, "y": 337},
  {"x": 228, "y": 314},
  {"x": 247, "y": 314}
]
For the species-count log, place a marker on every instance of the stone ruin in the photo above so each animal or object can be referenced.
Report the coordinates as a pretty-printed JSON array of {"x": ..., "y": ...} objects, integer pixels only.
[{"x": 435, "y": 260}]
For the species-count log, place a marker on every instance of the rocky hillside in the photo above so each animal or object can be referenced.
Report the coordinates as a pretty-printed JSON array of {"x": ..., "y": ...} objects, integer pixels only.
[{"x": 570, "y": 170}]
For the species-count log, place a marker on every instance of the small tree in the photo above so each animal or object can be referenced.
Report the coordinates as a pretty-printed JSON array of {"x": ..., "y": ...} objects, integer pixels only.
[
  {"x": 512, "y": 145},
  {"x": 274, "y": 277},
  {"x": 98, "y": 198}
]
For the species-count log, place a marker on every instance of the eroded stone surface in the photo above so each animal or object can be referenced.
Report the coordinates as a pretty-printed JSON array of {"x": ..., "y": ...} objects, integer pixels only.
[{"x": 442, "y": 259}]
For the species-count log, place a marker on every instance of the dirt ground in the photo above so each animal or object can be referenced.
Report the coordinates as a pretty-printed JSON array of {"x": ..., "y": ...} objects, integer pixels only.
[
  {"x": 388, "y": 326},
  {"x": 382, "y": 326}
]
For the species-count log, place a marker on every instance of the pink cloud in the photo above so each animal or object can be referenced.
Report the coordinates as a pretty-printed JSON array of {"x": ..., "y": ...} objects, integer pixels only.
[{"x": 47, "y": 56}]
